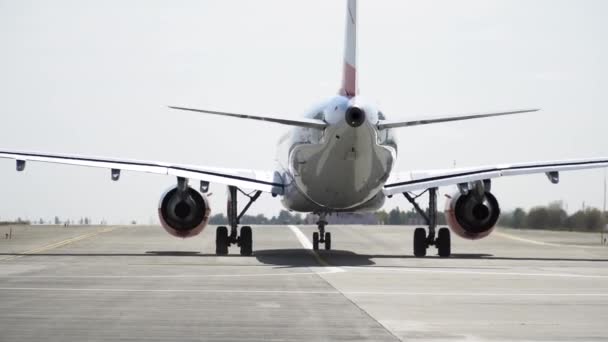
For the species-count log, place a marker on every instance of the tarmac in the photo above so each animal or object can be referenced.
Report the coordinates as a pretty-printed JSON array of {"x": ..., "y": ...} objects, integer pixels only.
[{"x": 108, "y": 283}]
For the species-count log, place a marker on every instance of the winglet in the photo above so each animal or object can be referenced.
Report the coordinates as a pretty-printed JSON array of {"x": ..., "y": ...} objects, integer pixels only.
[{"x": 349, "y": 72}]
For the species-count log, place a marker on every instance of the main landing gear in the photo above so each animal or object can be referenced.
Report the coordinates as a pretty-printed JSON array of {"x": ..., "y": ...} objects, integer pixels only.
[
  {"x": 322, "y": 236},
  {"x": 422, "y": 241},
  {"x": 223, "y": 239}
]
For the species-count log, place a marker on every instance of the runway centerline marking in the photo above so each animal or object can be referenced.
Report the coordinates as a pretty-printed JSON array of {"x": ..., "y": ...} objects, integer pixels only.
[
  {"x": 300, "y": 292},
  {"x": 541, "y": 243},
  {"x": 308, "y": 246},
  {"x": 58, "y": 244}
]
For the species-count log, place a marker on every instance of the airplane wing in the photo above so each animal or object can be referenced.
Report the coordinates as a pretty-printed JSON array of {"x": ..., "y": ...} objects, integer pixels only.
[
  {"x": 422, "y": 180},
  {"x": 438, "y": 119},
  {"x": 248, "y": 179}
]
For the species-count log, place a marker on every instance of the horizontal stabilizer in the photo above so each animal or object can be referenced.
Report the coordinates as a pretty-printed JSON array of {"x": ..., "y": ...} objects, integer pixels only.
[
  {"x": 432, "y": 120},
  {"x": 301, "y": 122}
]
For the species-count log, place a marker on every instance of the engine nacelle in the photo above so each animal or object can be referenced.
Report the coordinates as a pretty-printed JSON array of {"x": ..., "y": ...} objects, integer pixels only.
[
  {"x": 472, "y": 218},
  {"x": 183, "y": 214}
]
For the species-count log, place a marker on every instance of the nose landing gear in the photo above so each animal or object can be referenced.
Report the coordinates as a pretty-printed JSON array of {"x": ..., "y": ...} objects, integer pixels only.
[{"x": 322, "y": 236}]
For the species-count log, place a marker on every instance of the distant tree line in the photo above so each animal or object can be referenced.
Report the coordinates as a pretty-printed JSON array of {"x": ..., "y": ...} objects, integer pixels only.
[
  {"x": 400, "y": 217},
  {"x": 393, "y": 217},
  {"x": 56, "y": 220},
  {"x": 284, "y": 217},
  {"x": 553, "y": 216},
  {"x": 16, "y": 222}
]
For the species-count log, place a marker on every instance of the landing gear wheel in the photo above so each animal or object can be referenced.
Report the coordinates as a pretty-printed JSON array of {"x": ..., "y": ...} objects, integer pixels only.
[
  {"x": 443, "y": 243},
  {"x": 246, "y": 241},
  {"x": 221, "y": 240},
  {"x": 420, "y": 242},
  {"x": 315, "y": 241},
  {"x": 327, "y": 241}
]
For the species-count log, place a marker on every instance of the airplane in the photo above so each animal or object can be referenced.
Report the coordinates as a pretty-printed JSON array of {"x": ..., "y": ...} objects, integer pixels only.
[{"x": 337, "y": 158}]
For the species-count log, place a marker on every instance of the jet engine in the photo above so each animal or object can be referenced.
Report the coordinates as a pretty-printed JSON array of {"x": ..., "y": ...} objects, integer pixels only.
[
  {"x": 183, "y": 212},
  {"x": 471, "y": 215}
]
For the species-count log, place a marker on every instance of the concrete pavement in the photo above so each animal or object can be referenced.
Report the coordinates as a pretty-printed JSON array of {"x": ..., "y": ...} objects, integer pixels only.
[{"x": 138, "y": 283}]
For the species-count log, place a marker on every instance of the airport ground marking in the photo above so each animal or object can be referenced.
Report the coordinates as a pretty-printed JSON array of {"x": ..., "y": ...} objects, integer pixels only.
[
  {"x": 308, "y": 246},
  {"x": 58, "y": 244},
  {"x": 312, "y": 292},
  {"x": 382, "y": 270},
  {"x": 542, "y": 243},
  {"x": 168, "y": 276},
  {"x": 466, "y": 272}
]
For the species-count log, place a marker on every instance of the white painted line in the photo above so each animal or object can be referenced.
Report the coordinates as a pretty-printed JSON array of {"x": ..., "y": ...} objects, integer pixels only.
[
  {"x": 541, "y": 243},
  {"x": 293, "y": 292},
  {"x": 67, "y": 289},
  {"x": 308, "y": 245},
  {"x": 318, "y": 270},
  {"x": 465, "y": 272},
  {"x": 475, "y": 294},
  {"x": 282, "y": 274},
  {"x": 301, "y": 237}
]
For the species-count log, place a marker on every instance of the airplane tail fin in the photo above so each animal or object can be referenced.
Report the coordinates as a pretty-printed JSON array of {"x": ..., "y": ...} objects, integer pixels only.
[{"x": 349, "y": 73}]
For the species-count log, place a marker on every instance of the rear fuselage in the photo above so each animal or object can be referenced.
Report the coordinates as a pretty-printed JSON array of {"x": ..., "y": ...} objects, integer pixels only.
[{"x": 340, "y": 168}]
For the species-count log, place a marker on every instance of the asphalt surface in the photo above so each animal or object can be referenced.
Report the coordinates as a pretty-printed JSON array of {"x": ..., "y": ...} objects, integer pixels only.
[{"x": 138, "y": 283}]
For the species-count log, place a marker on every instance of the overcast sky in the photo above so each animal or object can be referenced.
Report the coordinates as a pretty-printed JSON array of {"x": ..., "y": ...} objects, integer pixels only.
[{"x": 94, "y": 78}]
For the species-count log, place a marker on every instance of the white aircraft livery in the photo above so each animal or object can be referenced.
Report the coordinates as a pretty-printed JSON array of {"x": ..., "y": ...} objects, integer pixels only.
[{"x": 337, "y": 158}]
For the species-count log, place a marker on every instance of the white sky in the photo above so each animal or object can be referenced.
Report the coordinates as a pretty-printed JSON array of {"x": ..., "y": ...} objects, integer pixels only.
[{"x": 94, "y": 77}]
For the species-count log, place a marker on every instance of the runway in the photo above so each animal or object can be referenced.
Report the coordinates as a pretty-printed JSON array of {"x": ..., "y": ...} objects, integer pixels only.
[{"x": 138, "y": 283}]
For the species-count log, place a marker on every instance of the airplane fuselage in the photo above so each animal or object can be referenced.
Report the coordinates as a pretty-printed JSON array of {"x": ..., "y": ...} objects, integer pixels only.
[{"x": 340, "y": 168}]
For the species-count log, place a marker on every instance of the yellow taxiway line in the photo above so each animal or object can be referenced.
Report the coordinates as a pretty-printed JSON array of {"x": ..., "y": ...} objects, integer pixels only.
[{"x": 58, "y": 244}]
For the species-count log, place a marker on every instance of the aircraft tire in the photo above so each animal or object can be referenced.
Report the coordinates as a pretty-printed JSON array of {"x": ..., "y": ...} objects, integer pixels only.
[
  {"x": 315, "y": 241},
  {"x": 327, "y": 241},
  {"x": 443, "y": 243},
  {"x": 221, "y": 240},
  {"x": 246, "y": 241},
  {"x": 420, "y": 242}
]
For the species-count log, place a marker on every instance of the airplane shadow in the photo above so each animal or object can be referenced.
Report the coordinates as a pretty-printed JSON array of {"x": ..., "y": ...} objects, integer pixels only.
[{"x": 305, "y": 258}]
